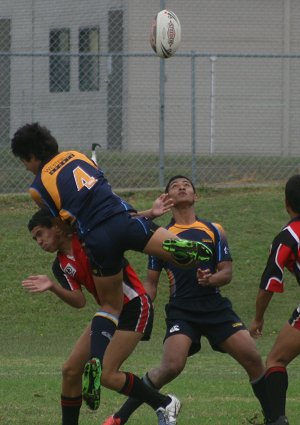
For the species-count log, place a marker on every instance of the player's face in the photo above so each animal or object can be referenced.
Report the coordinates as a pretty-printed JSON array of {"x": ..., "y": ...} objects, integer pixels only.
[
  {"x": 46, "y": 238},
  {"x": 181, "y": 190},
  {"x": 32, "y": 164}
]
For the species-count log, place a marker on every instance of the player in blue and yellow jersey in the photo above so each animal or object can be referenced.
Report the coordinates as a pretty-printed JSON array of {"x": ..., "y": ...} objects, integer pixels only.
[
  {"x": 74, "y": 188},
  {"x": 284, "y": 254},
  {"x": 196, "y": 306}
]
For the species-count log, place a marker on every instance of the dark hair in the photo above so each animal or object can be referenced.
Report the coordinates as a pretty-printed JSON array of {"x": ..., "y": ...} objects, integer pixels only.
[
  {"x": 33, "y": 139},
  {"x": 42, "y": 217},
  {"x": 178, "y": 177},
  {"x": 292, "y": 193}
]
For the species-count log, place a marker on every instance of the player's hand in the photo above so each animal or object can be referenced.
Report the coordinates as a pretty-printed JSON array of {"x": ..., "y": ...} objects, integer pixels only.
[
  {"x": 256, "y": 328},
  {"x": 161, "y": 205},
  {"x": 203, "y": 277},
  {"x": 37, "y": 284}
]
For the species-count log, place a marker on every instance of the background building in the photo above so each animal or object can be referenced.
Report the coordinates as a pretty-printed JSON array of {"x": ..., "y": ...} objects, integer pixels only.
[{"x": 224, "y": 109}]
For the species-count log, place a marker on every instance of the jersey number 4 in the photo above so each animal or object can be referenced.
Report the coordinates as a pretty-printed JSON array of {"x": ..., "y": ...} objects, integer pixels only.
[{"x": 83, "y": 179}]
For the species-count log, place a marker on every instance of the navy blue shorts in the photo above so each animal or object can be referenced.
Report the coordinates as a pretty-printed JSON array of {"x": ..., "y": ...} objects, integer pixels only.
[
  {"x": 216, "y": 325},
  {"x": 106, "y": 243},
  {"x": 137, "y": 316}
]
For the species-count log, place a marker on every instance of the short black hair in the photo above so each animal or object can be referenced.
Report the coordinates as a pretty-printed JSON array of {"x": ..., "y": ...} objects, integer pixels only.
[
  {"x": 292, "y": 193},
  {"x": 179, "y": 176},
  {"x": 42, "y": 217},
  {"x": 33, "y": 139}
]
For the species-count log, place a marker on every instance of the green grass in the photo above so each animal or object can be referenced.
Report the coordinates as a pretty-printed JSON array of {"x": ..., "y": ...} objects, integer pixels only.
[{"x": 38, "y": 332}]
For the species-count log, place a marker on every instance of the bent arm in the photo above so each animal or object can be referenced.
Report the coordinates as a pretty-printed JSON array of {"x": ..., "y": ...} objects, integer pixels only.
[
  {"x": 262, "y": 301},
  {"x": 42, "y": 283},
  {"x": 221, "y": 277},
  {"x": 151, "y": 283}
]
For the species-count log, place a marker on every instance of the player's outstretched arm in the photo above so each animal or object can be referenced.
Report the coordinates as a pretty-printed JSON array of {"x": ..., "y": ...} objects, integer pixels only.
[
  {"x": 160, "y": 206},
  {"x": 42, "y": 283}
]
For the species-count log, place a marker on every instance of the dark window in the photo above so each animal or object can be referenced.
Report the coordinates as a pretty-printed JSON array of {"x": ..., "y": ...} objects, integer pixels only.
[
  {"x": 89, "y": 42},
  {"x": 5, "y": 80},
  {"x": 60, "y": 65}
]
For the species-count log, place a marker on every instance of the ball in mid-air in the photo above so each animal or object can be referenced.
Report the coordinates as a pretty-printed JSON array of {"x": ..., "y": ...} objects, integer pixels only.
[{"x": 165, "y": 35}]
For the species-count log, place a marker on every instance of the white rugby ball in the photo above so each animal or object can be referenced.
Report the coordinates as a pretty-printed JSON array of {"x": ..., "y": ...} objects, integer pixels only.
[{"x": 165, "y": 34}]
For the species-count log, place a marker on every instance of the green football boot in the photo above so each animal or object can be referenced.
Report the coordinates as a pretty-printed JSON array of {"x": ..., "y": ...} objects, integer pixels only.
[
  {"x": 91, "y": 383},
  {"x": 184, "y": 250}
]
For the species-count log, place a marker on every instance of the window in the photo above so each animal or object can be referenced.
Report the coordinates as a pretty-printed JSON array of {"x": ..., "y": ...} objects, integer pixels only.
[
  {"x": 59, "y": 66},
  {"x": 5, "y": 81},
  {"x": 89, "y": 65}
]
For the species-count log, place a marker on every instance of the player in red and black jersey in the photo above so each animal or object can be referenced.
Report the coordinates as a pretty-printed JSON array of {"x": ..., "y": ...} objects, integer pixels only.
[
  {"x": 72, "y": 270},
  {"x": 196, "y": 306},
  {"x": 284, "y": 254}
]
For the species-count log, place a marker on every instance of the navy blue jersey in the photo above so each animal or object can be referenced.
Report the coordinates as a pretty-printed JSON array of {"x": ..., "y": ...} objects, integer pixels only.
[
  {"x": 73, "y": 187},
  {"x": 183, "y": 282}
]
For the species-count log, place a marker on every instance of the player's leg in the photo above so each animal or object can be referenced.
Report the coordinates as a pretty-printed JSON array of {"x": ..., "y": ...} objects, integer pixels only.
[
  {"x": 175, "y": 352},
  {"x": 285, "y": 349},
  {"x": 243, "y": 349},
  {"x": 182, "y": 252},
  {"x": 72, "y": 370},
  {"x": 103, "y": 328},
  {"x": 120, "y": 347}
]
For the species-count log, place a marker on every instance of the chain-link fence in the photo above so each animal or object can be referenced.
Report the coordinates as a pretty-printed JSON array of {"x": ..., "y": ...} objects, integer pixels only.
[{"x": 92, "y": 79}]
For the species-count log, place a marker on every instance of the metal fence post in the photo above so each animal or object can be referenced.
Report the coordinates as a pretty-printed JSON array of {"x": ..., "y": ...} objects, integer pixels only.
[
  {"x": 162, "y": 114},
  {"x": 193, "y": 112},
  {"x": 212, "y": 103}
]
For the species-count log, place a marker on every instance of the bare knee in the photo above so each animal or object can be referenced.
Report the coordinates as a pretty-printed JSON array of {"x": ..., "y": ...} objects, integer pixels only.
[
  {"x": 165, "y": 373},
  {"x": 112, "y": 379},
  {"x": 70, "y": 373}
]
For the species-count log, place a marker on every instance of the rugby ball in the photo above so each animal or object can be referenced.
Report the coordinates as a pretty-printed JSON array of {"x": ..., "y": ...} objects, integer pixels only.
[{"x": 165, "y": 35}]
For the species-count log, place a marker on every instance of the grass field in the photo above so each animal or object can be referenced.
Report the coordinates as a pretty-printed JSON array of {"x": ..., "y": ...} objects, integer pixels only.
[{"x": 37, "y": 332}]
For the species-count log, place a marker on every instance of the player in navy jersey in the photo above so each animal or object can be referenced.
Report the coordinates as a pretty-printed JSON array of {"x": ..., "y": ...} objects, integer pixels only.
[
  {"x": 72, "y": 270},
  {"x": 196, "y": 307},
  {"x": 284, "y": 254},
  {"x": 74, "y": 188}
]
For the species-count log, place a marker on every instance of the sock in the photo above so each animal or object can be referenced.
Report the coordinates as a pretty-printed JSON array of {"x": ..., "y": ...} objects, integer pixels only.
[
  {"x": 277, "y": 385},
  {"x": 132, "y": 404},
  {"x": 70, "y": 407},
  {"x": 260, "y": 390},
  {"x": 136, "y": 388},
  {"x": 103, "y": 328}
]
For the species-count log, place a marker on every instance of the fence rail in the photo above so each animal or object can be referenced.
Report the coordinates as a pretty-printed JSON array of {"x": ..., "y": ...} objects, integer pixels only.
[{"x": 219, "y": 118}]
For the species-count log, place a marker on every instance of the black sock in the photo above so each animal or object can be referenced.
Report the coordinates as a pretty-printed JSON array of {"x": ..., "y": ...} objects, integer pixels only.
[
  {"x": 132, "y": 404},
  {"x": 102, "y": 330},
  {"x": 260, "y": 390},
  {"x": 277, "y": 385},
  {"x": 136, "y": 388},
  {"x": 70, "y": 407}
]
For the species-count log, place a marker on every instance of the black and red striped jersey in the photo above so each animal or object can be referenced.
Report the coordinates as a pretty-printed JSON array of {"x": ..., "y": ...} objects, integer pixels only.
[
  {"x": 74, "y": 271},
  {"x": 73, "y": 187},
  {"x": 284, "y": 253}
]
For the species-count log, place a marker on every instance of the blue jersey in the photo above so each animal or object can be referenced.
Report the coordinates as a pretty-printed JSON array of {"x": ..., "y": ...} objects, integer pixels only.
[
  {"x": 73, "y": 187},
  {"x": 183, "y": 282}
]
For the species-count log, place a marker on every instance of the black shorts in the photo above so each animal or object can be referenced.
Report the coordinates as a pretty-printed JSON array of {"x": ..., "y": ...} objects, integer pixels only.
[
  {"x": 216, "y": 325},
  {"x": 106, "y": 243},
  {"x": 137, "y": 316},
  {"x": 294, "y": 320}
]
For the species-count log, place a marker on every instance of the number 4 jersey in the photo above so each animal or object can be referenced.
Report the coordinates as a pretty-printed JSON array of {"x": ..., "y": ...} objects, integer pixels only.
[{"x": 73, "y": 187}]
